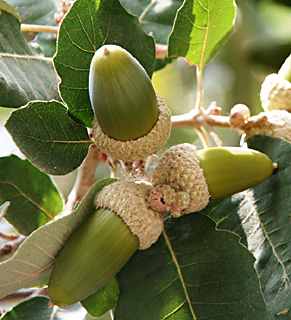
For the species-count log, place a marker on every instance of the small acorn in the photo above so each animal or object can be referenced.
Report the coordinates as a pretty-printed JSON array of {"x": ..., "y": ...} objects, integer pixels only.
[
  {"x": 103, "y": 244},
  {"x": 208, "y": 173},
  {"x": 132, "y": 122}
]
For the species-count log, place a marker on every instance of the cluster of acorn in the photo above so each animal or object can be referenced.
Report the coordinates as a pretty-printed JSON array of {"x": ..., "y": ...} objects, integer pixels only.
[
  {"x": 132, "y": 123},
  {"x": 275, "y": 96}
]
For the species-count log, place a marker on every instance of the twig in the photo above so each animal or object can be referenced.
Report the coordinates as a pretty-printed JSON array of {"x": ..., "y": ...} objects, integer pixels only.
[
  {"x": 85, "y": 177},
  {"x": 8, "y": 237},
  {"x": 146, "y": 10},
  {"x": 39, "y": 28}
]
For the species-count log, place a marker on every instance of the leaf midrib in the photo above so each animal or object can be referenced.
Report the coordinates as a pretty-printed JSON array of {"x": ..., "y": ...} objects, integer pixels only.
[
  {"x": 23, "y": 194},
  {"x": 168, "y": 243},
  {"x": 268, "y": 238}
]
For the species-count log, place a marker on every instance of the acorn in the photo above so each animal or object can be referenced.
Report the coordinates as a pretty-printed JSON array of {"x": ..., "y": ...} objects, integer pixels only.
[
  {"x": 104, "y": 242},
  {"x": 131, "y": 120},
  {"x": 205, "y": 174}
]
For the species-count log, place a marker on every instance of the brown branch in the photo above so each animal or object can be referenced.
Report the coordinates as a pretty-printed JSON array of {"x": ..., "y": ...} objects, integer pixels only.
[
  {"x": 85, "y": 178},
  {"x": 10, "y": 247}
]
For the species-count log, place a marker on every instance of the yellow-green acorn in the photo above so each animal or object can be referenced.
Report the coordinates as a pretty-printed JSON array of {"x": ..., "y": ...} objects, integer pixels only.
[
  {"x": 131, "y": 121},
  {"x": 204, "y": 174},
  {"x": 103, "y": 244}
]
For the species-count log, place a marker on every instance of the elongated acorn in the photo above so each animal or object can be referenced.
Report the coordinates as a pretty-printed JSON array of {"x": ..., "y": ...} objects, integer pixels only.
[
  {"x": 128, "y": 112},
  {"x": 103, "y": 244},
  {"x": 204, "y": 174},
  {"x": 275, "y": 93},
  {"x": 278, "y": 124}
]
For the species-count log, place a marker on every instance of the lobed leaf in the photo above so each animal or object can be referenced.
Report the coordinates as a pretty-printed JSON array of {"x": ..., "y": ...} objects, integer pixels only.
[
  {"x": 201, "y": 28},
  {"x": 35, "y": 257},
  {"x": 194, "y": 271},
  {"x": 86, "y": 27},
  {"x": 261, "y": 216},
  {"x": 48, "y": 137},
  {"x": 24, "y": 75},
  {"x": 34, "y": 200}
]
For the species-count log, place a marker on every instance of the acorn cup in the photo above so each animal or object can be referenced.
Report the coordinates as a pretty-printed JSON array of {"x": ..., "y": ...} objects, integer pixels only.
[
  {"x": 131, "y": 121},
  {"x": 105, "y": 241},
  {"x": 204, "y": 174}
]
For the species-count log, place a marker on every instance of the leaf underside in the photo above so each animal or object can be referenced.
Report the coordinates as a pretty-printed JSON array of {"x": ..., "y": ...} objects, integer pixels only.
[{"x": 24, "y": 75}]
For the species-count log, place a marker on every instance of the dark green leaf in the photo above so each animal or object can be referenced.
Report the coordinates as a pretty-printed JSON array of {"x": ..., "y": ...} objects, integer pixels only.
[
  {"x": 261, "y": 216},
  {"x": 48, "y": 137},
  {"x": 193, "y": 272},
  {"x": 103, "y": 300},
  {"x": 201, "y": 28},
  {"x": 86, "y": 27},
  {"x": 33, "y": 197},
  {"x": 24, "y": 76},
  {"x": 35, "y": 257},
  {"x": 156, "y": 17},
  {"x": 36, "y": 308}
]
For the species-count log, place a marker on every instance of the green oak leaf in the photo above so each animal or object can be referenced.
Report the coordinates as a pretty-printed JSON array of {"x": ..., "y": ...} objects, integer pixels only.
[
  {"x": 34, "y": 200},
  {"x": 261, "y": 216},
  {"x": 194, "y": 271},
  {"x": 48, "y": 137},
  {"x": 201, "y": 28}
]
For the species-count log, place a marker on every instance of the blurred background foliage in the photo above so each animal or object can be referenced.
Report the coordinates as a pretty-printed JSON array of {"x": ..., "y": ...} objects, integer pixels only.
[{"x": 260, "y": 42}]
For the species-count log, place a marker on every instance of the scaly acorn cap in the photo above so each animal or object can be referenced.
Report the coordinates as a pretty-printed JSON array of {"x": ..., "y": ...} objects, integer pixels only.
[
  {"x": 213, "y": 172},
  {"x": 129, "y": 200},
  {"x": 275, "y": 93},
  {"x": 121, "y": 94},
  {"x": 277, "y": 125},
  {"x": 93, "y": 255},
  {"x": 140, "y": 148},
  {"x": 179, "y": 168}
]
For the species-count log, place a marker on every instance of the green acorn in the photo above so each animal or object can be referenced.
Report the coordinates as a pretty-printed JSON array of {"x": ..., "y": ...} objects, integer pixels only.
[
  {"x": 231, "y": 170},
  {"x": 204, "y": 174},
  {"x": 103, "y": 244},
  {"x": 98, "y": 249},
  {"x": 131, "y": 121},
  {"x": 121, "y": 94}
]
